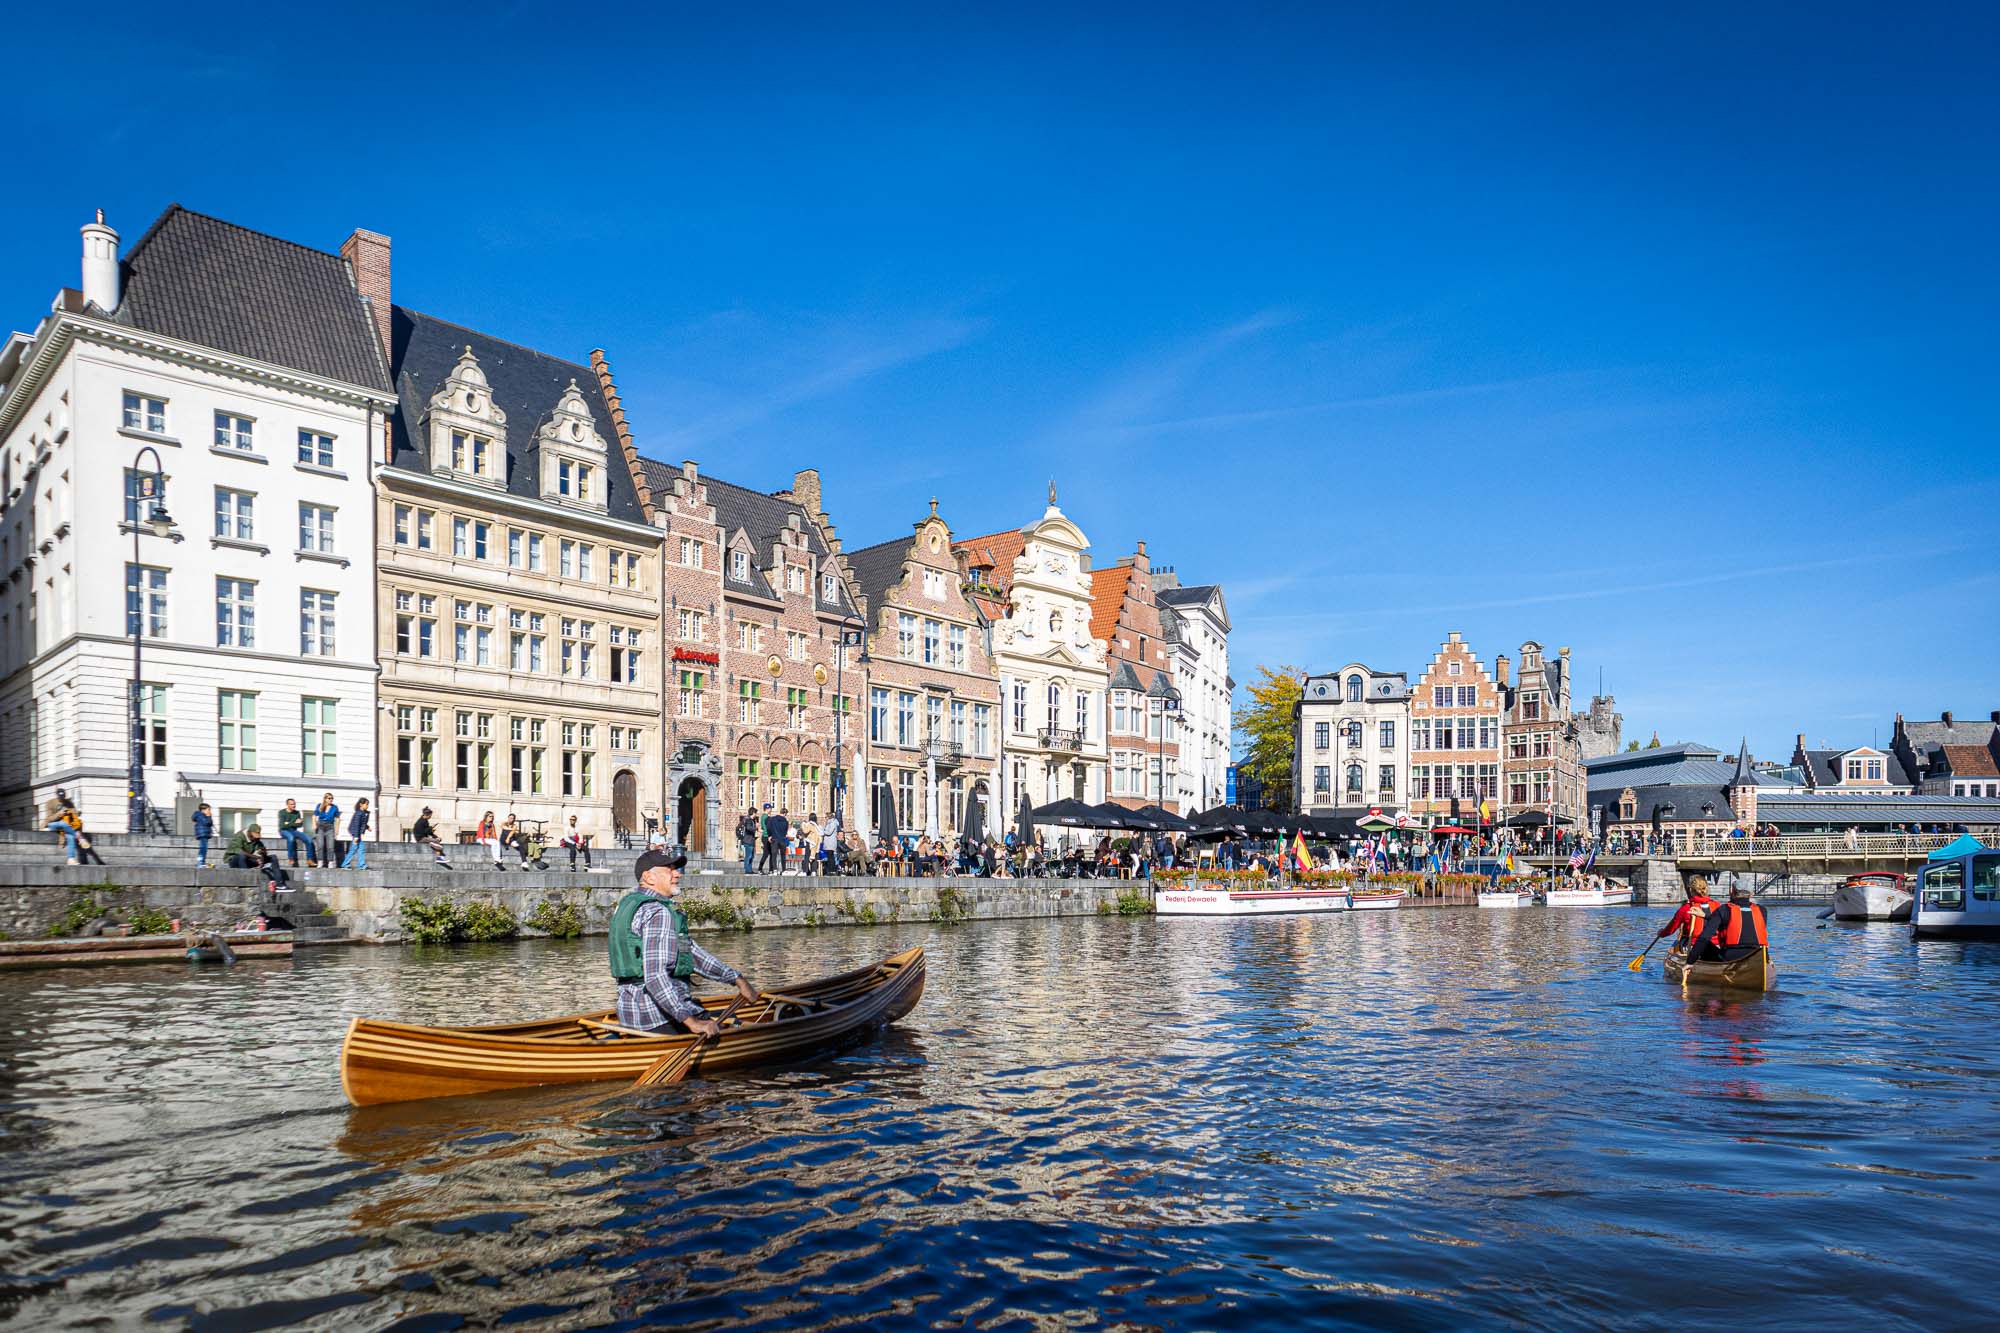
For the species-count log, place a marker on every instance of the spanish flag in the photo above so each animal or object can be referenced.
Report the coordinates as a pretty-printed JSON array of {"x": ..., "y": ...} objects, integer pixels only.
[{"x": 1300, "y": 856}]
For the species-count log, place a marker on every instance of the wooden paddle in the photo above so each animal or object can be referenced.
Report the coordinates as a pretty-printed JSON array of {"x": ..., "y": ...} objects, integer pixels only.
[
  {"x": 1640, "y": 961},
  {"x": 674, "y": 1067}
]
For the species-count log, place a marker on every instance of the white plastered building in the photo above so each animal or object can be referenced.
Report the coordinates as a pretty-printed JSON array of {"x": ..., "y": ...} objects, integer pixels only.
[
  {"x": 245, "y": 364},
  {"x": 1196, "y": 618}
]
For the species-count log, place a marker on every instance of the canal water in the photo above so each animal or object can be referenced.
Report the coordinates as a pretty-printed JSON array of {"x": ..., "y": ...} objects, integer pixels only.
[{"x": 1427, "y": 1119}]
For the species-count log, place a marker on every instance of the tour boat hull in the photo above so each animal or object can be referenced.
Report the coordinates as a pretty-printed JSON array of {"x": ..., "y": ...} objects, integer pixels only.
[
  {"x": 1755, "y": 972},
  {"x": 1221, "y": 902},
  {"x": 1506, "y": 898},
  {"x": 1590, "y": 897},
  {"x": 1376, "y": 900},
  {"x": 393, "y": 1062},
  {"x": 1872, "y": 898}
]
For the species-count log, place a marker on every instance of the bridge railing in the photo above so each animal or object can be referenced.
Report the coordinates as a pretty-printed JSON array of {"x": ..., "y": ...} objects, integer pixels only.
[{"x": 1820, "y": 845}]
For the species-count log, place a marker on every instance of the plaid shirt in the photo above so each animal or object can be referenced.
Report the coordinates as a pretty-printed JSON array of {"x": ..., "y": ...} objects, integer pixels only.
[{"x": 661, "y": 996}]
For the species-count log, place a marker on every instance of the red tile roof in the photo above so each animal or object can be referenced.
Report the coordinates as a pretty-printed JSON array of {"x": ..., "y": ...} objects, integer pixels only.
[
  {"x": 1971, "y": 761},
  {"x": 1107, "y": 598}
]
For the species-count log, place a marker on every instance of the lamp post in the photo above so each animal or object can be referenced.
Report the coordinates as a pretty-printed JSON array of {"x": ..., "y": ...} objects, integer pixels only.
[
  {"x": 1167, "y": 699},
  {"x": 849, "y": 638},
  {"x": 151, "y": 494}
]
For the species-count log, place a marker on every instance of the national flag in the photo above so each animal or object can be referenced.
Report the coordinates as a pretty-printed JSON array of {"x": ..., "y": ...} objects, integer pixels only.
[
  {"x": 1300, "y": 856},
  {"x": 1485, "y": 811},
  {"x": 1593, "y": 859}
]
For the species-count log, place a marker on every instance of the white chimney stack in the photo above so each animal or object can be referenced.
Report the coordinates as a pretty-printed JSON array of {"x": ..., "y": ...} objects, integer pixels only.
[{"x": 100, "y": 264}]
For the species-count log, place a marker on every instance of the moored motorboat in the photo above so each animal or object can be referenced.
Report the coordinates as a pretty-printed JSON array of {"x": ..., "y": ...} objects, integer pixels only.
[
  {"x": 1204, "y": 900},
  {"x": 390, "y": 1062},
  {"x": 1753, "y": 972},
  {"x": 1375, "y": 900},
  {"x": 1506, "y": 897},
  {"x": 1878, "y": 895},
  {"x": 1958, "y": 893},
  {"x": 1607, "y": 895}
]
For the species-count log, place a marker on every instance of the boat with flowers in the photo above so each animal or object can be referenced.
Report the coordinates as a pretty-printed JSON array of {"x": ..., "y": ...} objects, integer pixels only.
[{"x": 1247, "y": 893}]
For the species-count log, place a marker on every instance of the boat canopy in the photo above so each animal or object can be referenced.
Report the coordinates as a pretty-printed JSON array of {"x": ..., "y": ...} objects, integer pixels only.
[{"x": 1964, "y": 845}]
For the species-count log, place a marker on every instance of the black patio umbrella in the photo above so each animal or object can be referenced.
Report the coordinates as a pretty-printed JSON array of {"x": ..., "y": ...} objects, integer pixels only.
[
  {"x": 885, "y": 821},
  {"x": 973, "y": 823},
  {"x": 1266, "y": 823},
  {"x": 1024, "y": 821},
  {"x": 1165, "y": 821},
  {"x": 1111, "y": 816},
  {"x": 1216, "y": 823},
  {"x": 1067, "y": 813}
]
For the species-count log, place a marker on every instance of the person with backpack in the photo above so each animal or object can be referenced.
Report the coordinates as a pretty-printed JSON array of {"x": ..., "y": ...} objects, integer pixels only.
[{"x": 746, "y": 838}]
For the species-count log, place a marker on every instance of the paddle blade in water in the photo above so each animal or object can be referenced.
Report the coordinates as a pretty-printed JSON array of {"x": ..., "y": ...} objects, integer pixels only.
[{"x": 1636, "y": 963}]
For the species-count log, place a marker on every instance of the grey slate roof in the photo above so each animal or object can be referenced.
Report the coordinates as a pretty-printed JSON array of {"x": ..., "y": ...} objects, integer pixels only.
[
  {"x": 1686, "y": 798},
  {"x": 1663, "y": 754},
  {"x": 1684, "y": 772},
  {"x": 760, "y": 517},
  {"x": 1962, "y": 731},
  {"x": 1192, "y": 594},
  {"x": 1830, "y": 808},
  {"x": 526, "y": 385},
  {"x": 209, "y": 282},
  {"x": 878, "y": 568},
  {"x": 1826, "y": 768},
  {"x": 1124, "y": 678}
]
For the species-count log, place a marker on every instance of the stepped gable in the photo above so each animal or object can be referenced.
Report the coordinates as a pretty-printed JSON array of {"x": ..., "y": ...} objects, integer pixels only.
[
  {"x": 759, "y": 516},
  {"x": 525, "y": 384},
  {"x": 205, "y": 281}
]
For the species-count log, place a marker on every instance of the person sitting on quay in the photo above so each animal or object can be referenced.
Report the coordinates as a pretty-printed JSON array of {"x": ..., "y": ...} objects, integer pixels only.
[
  {"x": 291, "y": 828},
  {"x": 248, "y": 852},
  {"x": 575, "y": 840},
  {"x": 652, "y": 956},
  {"x": 859, "y": 858},
  {"x": 64, "y": 819},
  {"x": 424, "y": 833},
  {"x": 1732, "y": 931},
  {"x": 487, "y": 835}
]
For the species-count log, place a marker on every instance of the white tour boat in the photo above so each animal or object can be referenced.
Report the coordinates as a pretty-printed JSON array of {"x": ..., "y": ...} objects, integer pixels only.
[
  {"x": 1879, "y": 895},
  {"x": 1506, "y": 897},
  {"x": 1606, "y": 895},
  {"x": 1209, "y": 900}
]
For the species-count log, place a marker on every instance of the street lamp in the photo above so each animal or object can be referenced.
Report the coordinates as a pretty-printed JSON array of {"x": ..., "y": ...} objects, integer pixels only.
[
  {"x": 150, "y": 492},
  {"x": 1168, "y": 700}
]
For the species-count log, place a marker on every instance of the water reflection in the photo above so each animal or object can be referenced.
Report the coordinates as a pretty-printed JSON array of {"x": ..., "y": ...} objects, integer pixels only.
[{"x": 1424, "y": 1118}]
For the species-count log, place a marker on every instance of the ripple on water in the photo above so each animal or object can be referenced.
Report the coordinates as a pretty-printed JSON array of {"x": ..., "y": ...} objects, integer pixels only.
[{"x": 1430, "y": 1120}]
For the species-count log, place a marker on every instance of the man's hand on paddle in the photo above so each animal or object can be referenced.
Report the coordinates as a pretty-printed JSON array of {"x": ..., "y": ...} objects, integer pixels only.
[
  {"x": 704, "y": 1027},
  {"x": 745, "y": 989}
]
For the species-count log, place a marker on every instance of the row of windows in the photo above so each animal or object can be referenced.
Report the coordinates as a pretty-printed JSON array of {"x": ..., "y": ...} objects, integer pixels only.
[
  {"x": 147, "y": 413},
  {"x": 1436, "y": 783},
  {"x": 1137, "y": 714},
  {"x": 237, "y": 723},
  {"x": 236, "y": 514},
  {"x": 481, "y": 761},
  {"x": 523, "y": 549},
  {"x": 758, "y": 781},
  {"x": 146, "y": 611},
  {"x": 942, "y": 722},
  {"x": 939, "y": 643},
  {"x": 1134, "y": 774},
  {"x": 1454, "y": 696},
  {"x": 1052, "y": 695},
  {"x": 1446, "y": 733},
  {"x": 1351, "y": 732},
  {"x": 478, "y": 638},
  {"x": 1385, "y": 781}
]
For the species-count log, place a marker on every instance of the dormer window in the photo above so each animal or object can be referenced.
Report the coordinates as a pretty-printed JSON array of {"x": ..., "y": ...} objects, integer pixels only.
[
  {"x": 574, "y": 481},
  {"x": 467, "y": 429},
  {"x": 471, "y": 453},
  {"x": 829, "y": 588},
  {"x": 1354, "y": 689},
  {"x": 739, "y": 566}
]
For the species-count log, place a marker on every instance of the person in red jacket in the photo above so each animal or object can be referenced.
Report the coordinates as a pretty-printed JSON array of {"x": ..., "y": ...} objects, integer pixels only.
[
  {"x": 1692, "y": 915},
  {"x": 1734, "y": 930}
]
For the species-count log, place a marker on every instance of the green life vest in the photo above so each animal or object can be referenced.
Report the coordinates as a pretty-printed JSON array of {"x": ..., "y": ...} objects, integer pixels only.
[{"x": 628, "y": 955}]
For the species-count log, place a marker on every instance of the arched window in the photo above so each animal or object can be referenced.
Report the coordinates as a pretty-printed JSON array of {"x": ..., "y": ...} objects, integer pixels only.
[
  {"x": 1354, "y": 779},
  {"x": 1354, "y": 689}
]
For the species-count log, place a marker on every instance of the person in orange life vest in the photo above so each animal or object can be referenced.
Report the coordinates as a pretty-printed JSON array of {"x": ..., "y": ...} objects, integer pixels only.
[
  {"x": 1688, "y": 921},
  {"x": 1734, "y": 930}
]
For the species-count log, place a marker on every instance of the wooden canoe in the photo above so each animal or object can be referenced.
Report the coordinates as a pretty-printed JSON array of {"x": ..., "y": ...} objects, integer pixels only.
[
  {"x": 1755, "y": 972},
  {"x": 395, "y": 1062}
]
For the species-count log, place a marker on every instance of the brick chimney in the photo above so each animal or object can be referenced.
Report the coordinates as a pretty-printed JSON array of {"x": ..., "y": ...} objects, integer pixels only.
[
  {"x": 1501, "y": 667},
  {"x": 1946, "y": 719},
  {"x": 805, "y": 489},
  {"x": 367, "y": 256}
]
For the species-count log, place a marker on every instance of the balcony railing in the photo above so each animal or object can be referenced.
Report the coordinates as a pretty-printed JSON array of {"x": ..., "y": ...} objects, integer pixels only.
[
  {"x": 1057, "y": 738},
  {"x": 944, "y": 753}
]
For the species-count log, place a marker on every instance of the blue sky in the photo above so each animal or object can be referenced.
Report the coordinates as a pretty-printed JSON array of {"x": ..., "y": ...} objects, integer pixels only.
[{"x": 1666, "y": 337}]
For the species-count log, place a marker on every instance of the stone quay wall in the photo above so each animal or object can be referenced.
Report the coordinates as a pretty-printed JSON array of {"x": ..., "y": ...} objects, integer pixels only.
[{"x": 33, "y": 898}]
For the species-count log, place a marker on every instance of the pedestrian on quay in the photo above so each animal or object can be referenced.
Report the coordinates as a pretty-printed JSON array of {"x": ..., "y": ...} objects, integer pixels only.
[
  {"x": 652, "y": 956},
  {"x": 777, "y": 841},
  {"x": 425, "y": 833},
  {"x": 357, "y": 829},
  {"x": 746, "y": 838},
  {"x": 808, "y": 843},
  {"x": 575, "y": 840},
  {"x": 829, "y": 845},
  {"x": 326, "y": 830},
  {"x": 204, "y": 829},
  {"x": 291, "y": 828},
  {"x": 64, "y": 819}
]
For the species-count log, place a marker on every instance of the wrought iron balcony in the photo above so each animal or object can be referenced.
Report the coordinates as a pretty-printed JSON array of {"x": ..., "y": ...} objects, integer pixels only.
[
  {"x": 1057, "y": 738},
  {"x": 944, "y": 753}
]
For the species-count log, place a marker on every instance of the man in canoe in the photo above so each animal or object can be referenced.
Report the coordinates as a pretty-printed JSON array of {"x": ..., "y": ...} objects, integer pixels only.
[
  {"x": 1691, "y": 917},
  {"x": 1732, "y": 931},
  {"x": 652, "y": 956}
]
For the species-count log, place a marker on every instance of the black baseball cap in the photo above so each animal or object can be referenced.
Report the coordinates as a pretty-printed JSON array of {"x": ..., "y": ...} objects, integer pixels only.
[{"x": 672, "y": 858}]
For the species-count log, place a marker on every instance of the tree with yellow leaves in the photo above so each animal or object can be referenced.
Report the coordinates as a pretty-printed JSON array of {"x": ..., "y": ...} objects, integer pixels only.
[{"x": 1267, "y": 722}]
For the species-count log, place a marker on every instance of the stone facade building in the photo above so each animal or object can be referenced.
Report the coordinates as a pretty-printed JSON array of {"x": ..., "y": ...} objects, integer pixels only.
[
  {"x": 518, "y": 592},
  {"x": 1455, "y": 714},
  {"x": 1195, "y": 620},
  {"x": 1142, "y": 710},
  {"x": 931, "y": 730},
  {"x": 694, "y": 713},
  {"x": 1351, "y": 739},
  {"x": 1033, "y": 585},
  {"x": 1542, "y": 767},
  {"x": 1601, "y": 731},
  {"x": 243, "y": 368},
  {"x": 785, "y": 598}
]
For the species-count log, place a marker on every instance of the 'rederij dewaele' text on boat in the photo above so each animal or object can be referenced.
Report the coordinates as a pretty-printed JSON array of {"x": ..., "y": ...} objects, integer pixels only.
[
  {"x": 1193, "y": 898},
  {"x": 1506, "y": 897},
  {"x": 1875, "y": 895},
  {"x": 1958, "y": 893},
  {"x": 393, "y": 1062},
  {"x": 1604, "y": 894}
]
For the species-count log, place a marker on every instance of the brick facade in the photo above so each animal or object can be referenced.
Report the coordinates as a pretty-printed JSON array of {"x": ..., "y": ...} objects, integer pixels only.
[
  {"x": 1542, "y": 767},
  {"x": 1144, "y": 752},
  {"x": 691, "y": 624},
  {"x": 1467, "y": 766}
]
